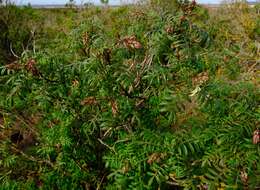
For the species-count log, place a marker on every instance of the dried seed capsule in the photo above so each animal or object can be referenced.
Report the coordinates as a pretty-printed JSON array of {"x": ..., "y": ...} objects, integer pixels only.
[{"x": 256, "y": 136}]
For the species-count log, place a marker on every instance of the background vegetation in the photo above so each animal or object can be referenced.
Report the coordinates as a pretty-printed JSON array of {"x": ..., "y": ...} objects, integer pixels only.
[{"x": 163, "y": 95}]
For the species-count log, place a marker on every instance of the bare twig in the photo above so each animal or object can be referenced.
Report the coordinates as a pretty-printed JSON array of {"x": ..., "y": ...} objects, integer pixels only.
[
  {"x": 31, "y": 158},
  {"x": 107, "y": 132},
  {"x": 13, "y": 53},
  {"x": 110, "y": 148},
  {"x": 99, "y": 185}
]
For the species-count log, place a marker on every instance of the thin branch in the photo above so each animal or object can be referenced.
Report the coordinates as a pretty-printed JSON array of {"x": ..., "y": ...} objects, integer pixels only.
[
  {"x": 107, "y": 132},
  {"x": 99, "y": 185},
  {"x": 120, "y": 141},
  {"x": 110, "y": 148},
  {"x": 31, "y": 158},
  {"x": 13, "y": 53},
  {"x": 20, "y": 118}
]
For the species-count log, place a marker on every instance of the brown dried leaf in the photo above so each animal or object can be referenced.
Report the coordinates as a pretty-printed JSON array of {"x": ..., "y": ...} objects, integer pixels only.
[
  {"x": 256, "y": 136},
  {"x": 169, "y": 29},
  {"x": 13, "y": 66},
  {"x": 132, "y": 43},
  {"x": 244, "y": 177},
  {"x": 31, "y": 67},
  {"x": 156, "y": 157},
  {"x": 89, "y": 101},
  {"x": 114, "y": 107},
  {"x": 126, "y": 168},
  {"x": 200, "y": 78},
  {"x": 85, "y": 39},
  {"x": 75, "y": 83}
]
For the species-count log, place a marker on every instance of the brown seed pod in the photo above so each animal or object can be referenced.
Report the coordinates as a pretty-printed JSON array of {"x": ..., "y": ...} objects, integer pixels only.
[
  {"x": 244, "y": 177},
  {"x": 31, "y": 67},
  {"x": 89, "y": 101},
  {"x": 225, "y": 58},
  {"x": 75, "y": 83},
  {"x": 114, "y": 107},
  {"x": 198, "y": 81},
  {"x": 13, "y": 66},
  {"x": 156, "y": 157},
  {"x": 201, "y": 78},
  {"x": 132, "y": 43},
  {"x": 85, "y": 39},
  {"x": 256, "y": 136},
  {"x": 126, "y": 168},
  {"x": 169, "y": 30}
]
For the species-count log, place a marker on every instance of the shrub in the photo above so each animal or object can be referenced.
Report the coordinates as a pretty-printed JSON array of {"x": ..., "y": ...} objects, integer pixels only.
[{"x": 156, "y": 104}]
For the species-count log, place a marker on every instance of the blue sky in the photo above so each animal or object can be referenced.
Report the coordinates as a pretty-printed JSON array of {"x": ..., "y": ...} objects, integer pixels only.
[{"x": 112, "y": 2}]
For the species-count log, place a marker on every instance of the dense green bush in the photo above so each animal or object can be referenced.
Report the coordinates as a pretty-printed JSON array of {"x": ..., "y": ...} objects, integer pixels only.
[{"x": 130, "y": 98}]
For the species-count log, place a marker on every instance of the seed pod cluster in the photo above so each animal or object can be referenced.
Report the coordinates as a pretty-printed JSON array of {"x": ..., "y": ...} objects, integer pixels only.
[
  {"x": 31, "y": 67},
  {"x": 132, "y": 43},
  {"x": 114, "y": 107},
  {"x": 169, "y": 30},
  {"x": 156, "y": 157},
  {"x": 13, "y": 66},
  {"x": 85, "y": 39},
  {"x": 256, "y": 136},
  {"x": 201, "y": 78},
  {"x": 244, "y": 177},
  {"x": 75, "y": 83},
  {"x": 89, "y": 101}
]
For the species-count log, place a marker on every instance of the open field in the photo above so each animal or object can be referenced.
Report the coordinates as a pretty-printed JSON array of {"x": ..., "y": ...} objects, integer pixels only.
[{"x": 164, "y": 95}]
